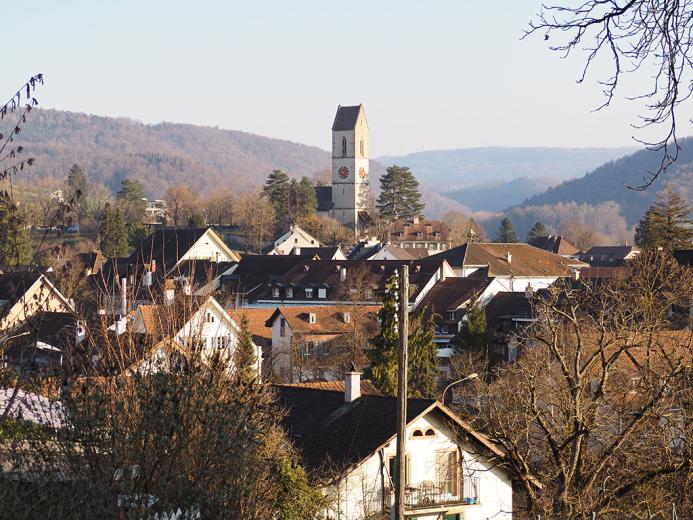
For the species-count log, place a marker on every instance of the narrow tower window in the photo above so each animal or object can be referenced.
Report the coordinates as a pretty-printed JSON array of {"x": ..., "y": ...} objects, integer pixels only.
[
  {"x": 361, "y": 146},
  {"x": 343, "y": 146}
]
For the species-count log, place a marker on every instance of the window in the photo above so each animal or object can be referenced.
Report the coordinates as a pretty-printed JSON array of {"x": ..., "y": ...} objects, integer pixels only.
[
  {"x": 289, "y": 292},
  {"x": 275, "y": 292},
  {"x": 451, "y": 315},
  {"x": 209, "y": 317},
  {"x": 344, "y": 147},
  {"x": 369, "y": 294},
  {"x": 361, "y": 146},
  {"x": 282, "y": 327},
  {"x": 447, "y": 471},
  {"x": 322, "y": 293},
  {"x": 417, "y": 434},
  {"x": 430, "y": 433},
  {"x": 308, "y": 348},
  {"x": 309, "y": 292},
  {"x": 312, "y": 318}
]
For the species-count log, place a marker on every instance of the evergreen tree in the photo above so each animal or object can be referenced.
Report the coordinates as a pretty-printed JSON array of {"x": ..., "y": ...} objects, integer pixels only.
[
  {"x": 137, "y": 233},
  {"x": 15, "y": 247},
  {"x": 277, "y": 189},
  {"x": 113, "y": 237},
  {"x": 306, "y": 200},
  {"x": 423, "y": 360},
  {"x": 244, "y": 357},
  {"x": 423, "y": 357},
  {"x": 383, "y": 354},
  {"x": 399, "y": 197},
  {"x": 474, "y": 334},
  {"x": 538, "y": 230},
  {"x": 506, "y": 232},
  {"x": 131, "y": 198},
  {"x": 666, "y": 223},
  {"x": 77, "y": 182},
  {"x": 196, "y": 220}
]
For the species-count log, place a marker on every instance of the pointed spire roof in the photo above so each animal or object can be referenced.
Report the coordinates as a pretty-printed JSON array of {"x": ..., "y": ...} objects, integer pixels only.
[{"x": 346, "y": 117}]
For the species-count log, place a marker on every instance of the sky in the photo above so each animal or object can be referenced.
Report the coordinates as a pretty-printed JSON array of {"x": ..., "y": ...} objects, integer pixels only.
[{"x": 432, "y": 75}]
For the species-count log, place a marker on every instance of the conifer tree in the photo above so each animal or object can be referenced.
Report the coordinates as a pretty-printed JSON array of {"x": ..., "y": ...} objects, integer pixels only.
[
  {"x": 399, "y": 197},
  {"x": 77, "y": 182},
  {"x": 113, "y": 236},
  {"x": 666, "y": 223},
  {"x": 506, "y": 232},
  {"x": 473, "y": 337},
  {"x": 423, "y": 356},
  {"x": 245, "y": 360},
  {"x": 196, "y": 220},
  {"x": 131, "y": 198},
  {"x": 306, "y": 200},
  {"x": 277, "y": 189},
  {"x": 538, "y": 230},
  {"x": 383, "y": 354},
  {"x": 423, "y": 360}
]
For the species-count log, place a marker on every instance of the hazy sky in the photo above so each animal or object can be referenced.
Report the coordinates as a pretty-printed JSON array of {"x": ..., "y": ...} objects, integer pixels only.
[{"x": 432, "y": 75}]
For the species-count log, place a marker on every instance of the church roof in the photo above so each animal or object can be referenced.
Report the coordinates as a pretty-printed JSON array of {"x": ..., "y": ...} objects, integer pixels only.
[{"x": 346, "y": 118}]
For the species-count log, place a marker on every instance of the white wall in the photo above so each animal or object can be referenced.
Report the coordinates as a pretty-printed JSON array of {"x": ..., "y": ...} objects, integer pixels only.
[
  {"x": 359, "y": 493},
  {"x": 206, "y": 248}
]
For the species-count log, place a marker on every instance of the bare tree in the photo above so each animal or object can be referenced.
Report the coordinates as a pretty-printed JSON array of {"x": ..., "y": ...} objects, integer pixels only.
[
  {"x": 181, "y": 202},
  {"x": 652, "y": 38},
  {"x": 256, "y": 219},
  {"x": 595, "y": 412}
]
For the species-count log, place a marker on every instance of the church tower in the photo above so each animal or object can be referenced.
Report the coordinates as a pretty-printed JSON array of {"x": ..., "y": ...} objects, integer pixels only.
[{"x": 350, "y": 187}]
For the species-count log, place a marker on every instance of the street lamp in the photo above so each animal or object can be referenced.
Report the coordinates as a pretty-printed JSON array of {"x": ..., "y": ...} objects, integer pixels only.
[{"x": 470, "y": 376}]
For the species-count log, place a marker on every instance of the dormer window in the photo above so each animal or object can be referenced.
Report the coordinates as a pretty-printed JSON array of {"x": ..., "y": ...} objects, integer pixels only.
[
  {"x": 312, "y": 318},
  {"x": 451, "y": 315},
  {"x": 309, "y": 292},
  {"x": 289, "y": 292},
  {"x": 322, "y": 293},
  {"x": 344, "y": 147},
  {"x": 275, "y": 292}
]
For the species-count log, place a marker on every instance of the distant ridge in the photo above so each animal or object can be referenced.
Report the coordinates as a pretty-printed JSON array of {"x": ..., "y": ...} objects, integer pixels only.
[{"x": 608, "y": 183}]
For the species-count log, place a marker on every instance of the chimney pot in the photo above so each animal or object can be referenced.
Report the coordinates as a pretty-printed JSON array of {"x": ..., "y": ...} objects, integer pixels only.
[{"x": 509, "y": 257}]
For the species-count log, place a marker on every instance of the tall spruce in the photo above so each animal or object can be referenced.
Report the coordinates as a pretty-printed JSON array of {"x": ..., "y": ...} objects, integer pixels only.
[
  {"x": 131, "y": 198},
  {"x": 385, "y": 347},
  {"x": 538, "y": 230},
  {"x": 113, "y": 235},
  {"x": 245, "y": 360},
  {"x": 473, "y": 337},
  {"x": 305, "y": 197},
  {"x": 399, "y": 197},
  {"x": 383, "y": 354},
  {"x": 423, "y": 356},
  {"x": 277, "y": 189},
  {"x": 666, "y": 223},
  {"x": 506, "y": 232}
]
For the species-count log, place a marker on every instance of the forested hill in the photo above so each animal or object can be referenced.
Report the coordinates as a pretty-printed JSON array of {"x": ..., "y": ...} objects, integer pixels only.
[
  {"x": 609, "y": 181},
  {"x": 110, "y": 149}
]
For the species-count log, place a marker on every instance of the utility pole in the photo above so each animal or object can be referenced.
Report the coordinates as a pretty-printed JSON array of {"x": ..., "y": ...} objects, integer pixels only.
[{"x": 402, "y": 372}]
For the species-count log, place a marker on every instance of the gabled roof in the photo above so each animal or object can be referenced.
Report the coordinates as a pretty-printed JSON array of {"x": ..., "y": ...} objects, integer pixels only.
[
  {"x": 298, "y": 231},
  {"x": 334, "y": 435},
  {"x": 451, "y": 293},
  {"x": 257, "y": 318},
  {"x": 202, "y": 272},
  {"x": 424, "y": 230},
  {"x": 328, "y": 318},
  {"x": 367, "y": 387},
  {"x": 401, "y": 253},
  {"x": 525, "y": 260},
  {"x": 14, "y": 285},
  {"x": 555, "y": 244},
  {"x": 608, "y": 255},
  {"x": 346, "y": 117},
  {"x": 508, "y": 305},
  {"x": 323, "y": 253}
]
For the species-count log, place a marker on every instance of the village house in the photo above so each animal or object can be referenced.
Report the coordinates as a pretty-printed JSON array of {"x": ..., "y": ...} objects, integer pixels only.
[
  {"x": 24, "y": 294},
  {"x": 392, "y": 252},
  {"x": 557, "y": 245},
  {"x": 433, "y": 235},
  {"x": 313, "y": 342},
  {"x": 187, "y": 321},
  {"x": 609, "y": 256},
  {"x": 516, "y": 266},
  {"x": 347, "y": 441},
  {"x": 294, "y": 239}
]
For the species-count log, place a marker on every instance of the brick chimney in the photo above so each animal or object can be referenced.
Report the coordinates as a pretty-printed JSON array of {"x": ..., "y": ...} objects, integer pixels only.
[{"x": 352, "y": 385}]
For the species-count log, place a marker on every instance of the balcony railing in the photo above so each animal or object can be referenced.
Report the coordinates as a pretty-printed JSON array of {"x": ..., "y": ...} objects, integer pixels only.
[{"x": 428, "y": 494}]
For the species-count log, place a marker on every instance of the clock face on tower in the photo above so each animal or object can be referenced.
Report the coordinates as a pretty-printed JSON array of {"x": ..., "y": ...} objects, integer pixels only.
[
  {"x": 362, "y": 173},
  {"x": 343, "y": 172}
]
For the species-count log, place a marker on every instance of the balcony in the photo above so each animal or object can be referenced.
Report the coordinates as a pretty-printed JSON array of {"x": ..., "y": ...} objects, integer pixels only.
[{"x": 436, "y": 496}]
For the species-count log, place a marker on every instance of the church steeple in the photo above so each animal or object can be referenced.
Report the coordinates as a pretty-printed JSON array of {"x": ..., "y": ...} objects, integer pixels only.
[{"x": 350, "y": 186}]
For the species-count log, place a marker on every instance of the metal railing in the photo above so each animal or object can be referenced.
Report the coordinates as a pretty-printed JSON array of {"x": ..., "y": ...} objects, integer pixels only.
[{"x": 428, "y": 494}]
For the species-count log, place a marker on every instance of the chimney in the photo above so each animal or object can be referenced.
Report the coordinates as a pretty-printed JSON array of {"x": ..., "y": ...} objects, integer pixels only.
[
  {"x": 509, "y": 257},
  {"x": 124, "y": 296},
  {"x": 342, "y": 274},
  {"x": 169, "y": 291},
  {"x": 416, "y": 219},
  {"x": 297, "y": 250},
  {"x": 576, "y": 274},
  {"x": 352, "y": 385}
]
